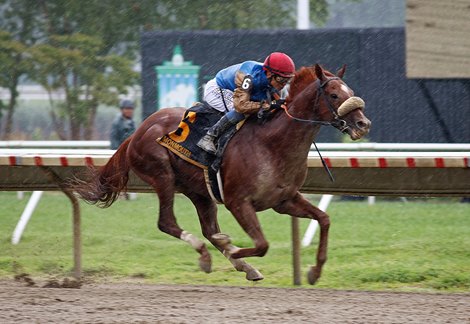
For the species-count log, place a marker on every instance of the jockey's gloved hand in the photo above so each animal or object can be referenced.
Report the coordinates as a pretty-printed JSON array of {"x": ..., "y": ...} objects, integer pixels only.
[
  {"x": 277, "y": 104},
  {"x": 261, "y": 113}
]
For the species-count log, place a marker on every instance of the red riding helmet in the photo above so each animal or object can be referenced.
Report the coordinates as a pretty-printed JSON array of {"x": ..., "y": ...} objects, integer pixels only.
[{"x": 280, "y": 64}]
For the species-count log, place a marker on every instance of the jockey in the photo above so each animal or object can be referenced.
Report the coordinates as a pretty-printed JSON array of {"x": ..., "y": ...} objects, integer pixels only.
[{"x": 243, "y": 89}]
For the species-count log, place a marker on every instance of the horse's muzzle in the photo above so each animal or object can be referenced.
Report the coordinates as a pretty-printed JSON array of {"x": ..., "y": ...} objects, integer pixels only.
[{"x": 360, "y": 129}]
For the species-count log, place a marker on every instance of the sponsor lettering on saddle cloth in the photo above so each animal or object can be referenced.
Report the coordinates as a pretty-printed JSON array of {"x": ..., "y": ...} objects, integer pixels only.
[{"x": 183, "y": 142}]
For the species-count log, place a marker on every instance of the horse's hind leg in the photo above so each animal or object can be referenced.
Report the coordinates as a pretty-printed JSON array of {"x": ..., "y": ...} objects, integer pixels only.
[
  {"x": 207, "y": 212},
  {"x": 300, "y": 207},
  {"x": 163, "y": 182}
]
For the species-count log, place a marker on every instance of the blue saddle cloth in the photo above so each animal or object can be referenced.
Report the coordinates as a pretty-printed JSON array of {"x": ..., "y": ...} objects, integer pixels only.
[{"x": 183, "y": 142}]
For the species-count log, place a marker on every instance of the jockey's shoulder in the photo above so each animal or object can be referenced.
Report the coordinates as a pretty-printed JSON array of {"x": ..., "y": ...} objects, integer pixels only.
[{"x": 249, "y": 67}]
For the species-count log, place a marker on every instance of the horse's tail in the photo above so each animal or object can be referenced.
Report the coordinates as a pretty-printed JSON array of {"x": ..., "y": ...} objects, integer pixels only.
[{"x": 102, "y": 186}]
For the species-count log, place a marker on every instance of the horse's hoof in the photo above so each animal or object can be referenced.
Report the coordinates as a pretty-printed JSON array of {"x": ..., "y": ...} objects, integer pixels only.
[
  {"x": 222, "y": 239},
  {"x": 254, "y": 275},
  {"x": 205, "y": 263},
  {"x": 312, "y": 276}
]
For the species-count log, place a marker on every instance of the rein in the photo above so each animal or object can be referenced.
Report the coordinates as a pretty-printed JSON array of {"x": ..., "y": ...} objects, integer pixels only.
[{"x": 319, "y": 122}]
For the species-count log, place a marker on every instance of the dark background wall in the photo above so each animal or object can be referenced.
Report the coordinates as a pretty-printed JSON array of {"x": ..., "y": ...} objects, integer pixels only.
[{"x": 402, "y": 110}]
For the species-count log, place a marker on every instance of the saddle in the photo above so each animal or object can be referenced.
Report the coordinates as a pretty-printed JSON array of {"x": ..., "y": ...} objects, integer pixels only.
[{"x": 183, "y": 142}]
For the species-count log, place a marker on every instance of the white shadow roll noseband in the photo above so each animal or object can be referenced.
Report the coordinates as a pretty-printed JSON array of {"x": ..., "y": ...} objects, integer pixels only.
[{"x": 349, "y": 105}]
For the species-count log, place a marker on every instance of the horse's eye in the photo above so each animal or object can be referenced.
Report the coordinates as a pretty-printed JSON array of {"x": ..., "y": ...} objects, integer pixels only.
[{"x": 334, "y": 96}]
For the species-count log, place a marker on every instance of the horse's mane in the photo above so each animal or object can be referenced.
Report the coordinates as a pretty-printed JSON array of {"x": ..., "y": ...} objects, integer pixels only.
[{"x": 302, "y": 78}]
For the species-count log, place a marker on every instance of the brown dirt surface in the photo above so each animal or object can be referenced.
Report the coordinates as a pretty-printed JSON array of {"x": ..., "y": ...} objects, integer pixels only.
[{"x": 151, "y": 303}]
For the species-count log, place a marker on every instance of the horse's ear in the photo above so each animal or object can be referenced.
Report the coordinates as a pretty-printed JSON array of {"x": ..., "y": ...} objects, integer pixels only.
[
  {"x": 319, "y": 72},
  {"x": 341, "y": 71}
]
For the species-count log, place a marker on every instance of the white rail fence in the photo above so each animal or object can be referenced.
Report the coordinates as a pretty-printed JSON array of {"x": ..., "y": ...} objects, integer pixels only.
[{"x": 359, "y": 171}]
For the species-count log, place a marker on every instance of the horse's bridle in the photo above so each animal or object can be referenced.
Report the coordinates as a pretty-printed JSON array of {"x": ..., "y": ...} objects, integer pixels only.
[{"x": 337, "y": 122}]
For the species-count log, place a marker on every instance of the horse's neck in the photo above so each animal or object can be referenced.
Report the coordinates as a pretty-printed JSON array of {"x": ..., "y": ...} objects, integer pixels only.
[
  {"x": 301, "y": 107},
  {"x": 289, "y": 137}
]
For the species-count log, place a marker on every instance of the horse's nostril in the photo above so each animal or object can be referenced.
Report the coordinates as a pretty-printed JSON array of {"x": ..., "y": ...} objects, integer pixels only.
[{"x": 363, "y": 124}]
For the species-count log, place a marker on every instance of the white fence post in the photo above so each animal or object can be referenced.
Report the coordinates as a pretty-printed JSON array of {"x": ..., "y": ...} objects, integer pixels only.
[
  {"x": 20, "y": 195},
  {"x": 28, "y": 211}
]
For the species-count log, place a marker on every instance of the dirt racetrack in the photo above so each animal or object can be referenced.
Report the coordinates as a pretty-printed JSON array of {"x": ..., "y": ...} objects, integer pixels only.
[{"x": 145, "y": 303}]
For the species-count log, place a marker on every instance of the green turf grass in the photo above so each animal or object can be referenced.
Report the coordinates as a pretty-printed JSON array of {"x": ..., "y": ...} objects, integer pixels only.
[{"x": 421, "y": 245}]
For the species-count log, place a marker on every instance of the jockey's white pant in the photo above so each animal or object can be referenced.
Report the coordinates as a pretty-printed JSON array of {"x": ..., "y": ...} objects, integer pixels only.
[{"x": 213, "y": 96}]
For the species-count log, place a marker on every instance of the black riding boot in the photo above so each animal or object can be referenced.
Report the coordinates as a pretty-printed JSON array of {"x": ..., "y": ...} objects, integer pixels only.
[{"x": 207, "y": 143}]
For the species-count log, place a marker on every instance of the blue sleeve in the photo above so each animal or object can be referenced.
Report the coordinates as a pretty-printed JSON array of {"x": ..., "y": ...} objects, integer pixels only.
[
  {"x": 226, "y": 77},
  {"x": 249, "y": 67}
]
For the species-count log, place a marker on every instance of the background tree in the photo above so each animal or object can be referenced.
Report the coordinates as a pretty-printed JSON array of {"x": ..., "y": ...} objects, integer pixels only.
[
  {"x": 45, "y": 22},
  {"x": 113, "y": 28},
  {"x": 13, "y": 66},
  {"x": 17, "y": 25},
  {"x": 238, "y": 14},
  {"x": 72, "y": 63}
]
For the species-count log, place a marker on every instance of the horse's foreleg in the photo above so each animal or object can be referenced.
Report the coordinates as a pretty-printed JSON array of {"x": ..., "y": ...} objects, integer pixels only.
[
  {"x": 300, "y": 207},
  {"x": 245, "y": 215},
  {"x": 224, "y": 244},
  {"x": 207, "y": 212}
]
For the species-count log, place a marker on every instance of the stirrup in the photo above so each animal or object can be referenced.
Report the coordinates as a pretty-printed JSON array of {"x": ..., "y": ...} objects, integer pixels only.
[{"x": 207, "y": 144}]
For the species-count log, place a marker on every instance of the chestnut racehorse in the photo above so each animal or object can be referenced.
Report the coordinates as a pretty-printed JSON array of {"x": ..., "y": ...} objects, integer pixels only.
[{"x": 263, "y": 167}]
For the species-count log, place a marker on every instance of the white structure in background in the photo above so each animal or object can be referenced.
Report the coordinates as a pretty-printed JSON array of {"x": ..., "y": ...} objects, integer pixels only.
[
  {"x": 37, "y": 92},
  {"x": 303, "y": 14},
  {"x": 28, "y": 211},
  {"x": 32, "y": 92},
  {"x": 182, "y": 96}
]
